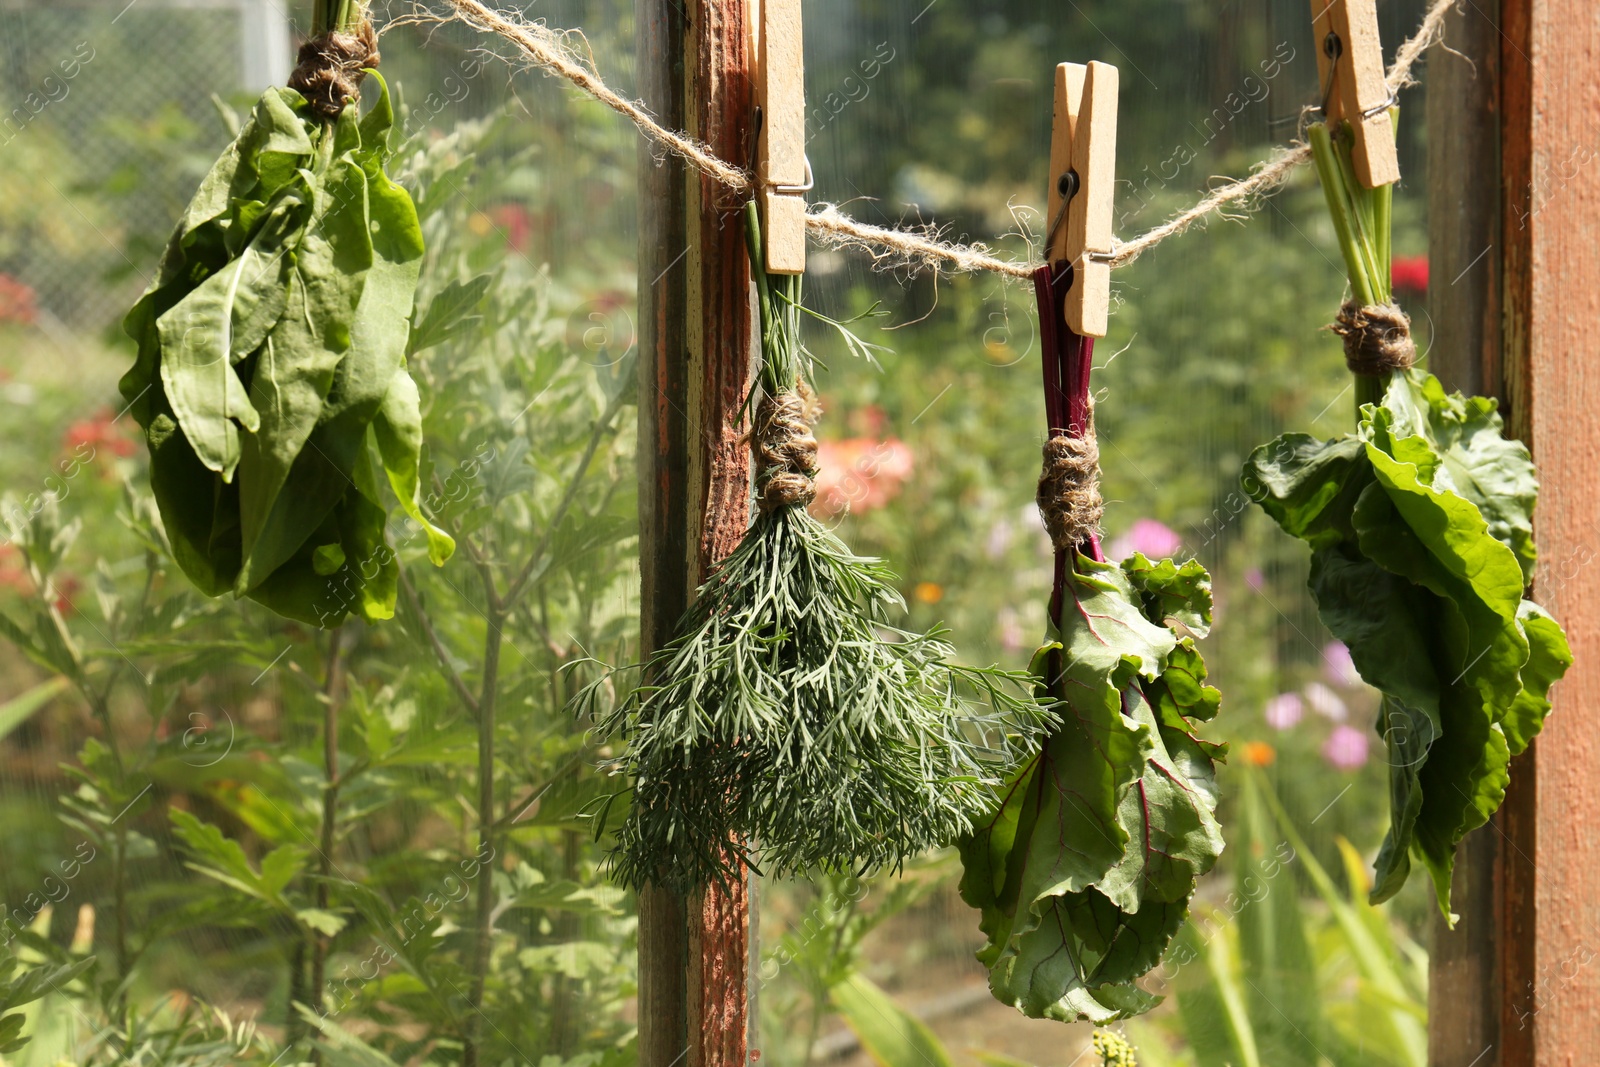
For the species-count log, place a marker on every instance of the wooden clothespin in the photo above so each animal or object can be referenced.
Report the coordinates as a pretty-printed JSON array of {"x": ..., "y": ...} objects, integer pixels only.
[
  {"x": 1083, "y": 163},
  {"x": 1350, "y": 62},
  {"x": 781, "y": 166}
]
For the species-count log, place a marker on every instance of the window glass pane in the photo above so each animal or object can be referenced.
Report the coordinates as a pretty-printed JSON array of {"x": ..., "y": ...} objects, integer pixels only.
[{"x": 170, "y": 804}]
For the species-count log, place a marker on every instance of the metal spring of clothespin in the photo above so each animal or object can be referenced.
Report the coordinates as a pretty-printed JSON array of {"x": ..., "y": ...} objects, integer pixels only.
[{"x": 1350, "y": 68}]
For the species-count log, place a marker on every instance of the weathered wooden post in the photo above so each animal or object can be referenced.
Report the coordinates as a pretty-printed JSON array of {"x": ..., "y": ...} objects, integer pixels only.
[
  {"x": 695, "y": 333},
  {"x": 1514, "y": 215}
]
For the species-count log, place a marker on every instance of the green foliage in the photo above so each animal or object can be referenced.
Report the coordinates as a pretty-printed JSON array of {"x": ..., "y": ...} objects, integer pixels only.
[
  {"x": 891, "y": 1035},
  {"x": 1272, "y": 981},
  {"x": 1420, "y": 526},
  {"x": 506, "y": 317},
  {"x": 22, "y": 984},
  {"x": 204, "y": 789},
  {"x": 1084, "y": 871},
  {"x": 818, "y": 961},
  {"x": 271, "y": 341}
]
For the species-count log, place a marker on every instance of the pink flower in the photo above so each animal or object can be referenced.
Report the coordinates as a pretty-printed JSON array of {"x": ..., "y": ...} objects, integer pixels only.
[
  {"x": 860, "y": 474},
  {"x": 1284, "y": 710},
  {"x": 1255, "y": 579},
  {"x": 1001, "y": 535},
  {"x": 1012, "y": 639},
  {"x": 1345, "y": 748},
  {"x": 1155, "y": 539},
  {"x": 871, "y": 419},
  {"x": 1337, "y": 666},
  {"x": 1326, "y": 702},
  {"x": 1409, "y": 274}
]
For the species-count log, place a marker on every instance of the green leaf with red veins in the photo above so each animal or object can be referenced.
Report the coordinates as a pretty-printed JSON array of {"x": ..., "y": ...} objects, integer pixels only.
[{"x": 1083, "y": 872}]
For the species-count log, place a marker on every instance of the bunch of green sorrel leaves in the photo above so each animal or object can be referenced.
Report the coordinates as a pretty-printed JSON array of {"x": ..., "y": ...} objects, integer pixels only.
[
  {"x": 272, "y": 365},
  {"x": 1084, "y": 871},
  {"x": 1421, "y": 530},
  {"x": 789, "y": 725}
]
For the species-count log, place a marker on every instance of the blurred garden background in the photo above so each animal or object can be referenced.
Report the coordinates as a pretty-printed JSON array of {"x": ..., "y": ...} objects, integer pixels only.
[{"x": 169, "y": 764}]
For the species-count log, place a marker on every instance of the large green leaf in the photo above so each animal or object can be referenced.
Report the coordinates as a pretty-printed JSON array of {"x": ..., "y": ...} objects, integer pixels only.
[
  {"x": 1421, "y": 525},
  {"x": 1478, "y": 461},
  {"x": 398, "y": 429},
  {"x": 1382, "y": 619},
  {"x": 293, "y": 373},
  {"x": 1548, "y": 659},
  {"x": 1477, "y": 644},
  {"x": 199, "y": 511},
  {"x": 295, "y": 368},
  {"x": 206, "y": 395},
  {"x": 1308, "y": 486}
]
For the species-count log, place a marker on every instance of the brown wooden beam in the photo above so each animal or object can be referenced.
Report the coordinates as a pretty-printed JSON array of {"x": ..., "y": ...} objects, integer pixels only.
[
  {"x": 1518, "y": 983},
  {"x": 1464, "y": 258},
  {"x": 1551, "y": 174},
  {"x": 695, "y": 345}
]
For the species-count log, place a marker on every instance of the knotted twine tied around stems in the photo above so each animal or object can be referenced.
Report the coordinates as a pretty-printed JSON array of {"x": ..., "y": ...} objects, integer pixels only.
[
  {"x": 1377, "y": 338},
  {"x": 331, "y": 68},
  {"x": 1069, "y": 488},
  {"x": 785, "y": 449}
]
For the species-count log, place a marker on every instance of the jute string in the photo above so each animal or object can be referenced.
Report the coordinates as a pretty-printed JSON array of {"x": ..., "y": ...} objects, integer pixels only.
[
  {"x": 331, "y": 67},
  {"x": 1069, "y": 488},
  {"x": 549, "y": 50},
  {"x": 1377, "y": 338},
  {"x": 785, "y": 450}
]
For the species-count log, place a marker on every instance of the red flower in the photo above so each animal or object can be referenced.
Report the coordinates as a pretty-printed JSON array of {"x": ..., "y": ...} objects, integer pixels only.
[
  {"x": 93, "y": 434},
  {"x": 1409, "y": 274},
  {"x": 515, "y": 221},
  {"x": 16, "y": 302},
  {"x": 66, "y": 589}
]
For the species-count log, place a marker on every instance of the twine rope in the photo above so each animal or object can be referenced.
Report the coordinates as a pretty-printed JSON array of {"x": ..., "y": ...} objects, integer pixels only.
[
  {"x": 1069, "y": 488},
  {"x": 890, "y": 247},
  {"x": 330, "y": 68},
  {"x": 1377, "y": 338},
  {"x": 785, "y": 450}
]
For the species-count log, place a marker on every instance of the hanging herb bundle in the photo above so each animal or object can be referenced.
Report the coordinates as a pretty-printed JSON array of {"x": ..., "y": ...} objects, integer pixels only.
[
  {"x": 789, "y": 726},
  {"x": 1421, "y": 532},
  {"x": 272, "y": 350},
  {"x": 1084, "y": 867}
]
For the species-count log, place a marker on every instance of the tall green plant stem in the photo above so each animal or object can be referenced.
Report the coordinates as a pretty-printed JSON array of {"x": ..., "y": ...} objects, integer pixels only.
[
  {"x": 778, "y": 297},
  {"x": 100, "y": 703},
  {"x": 1342, "y": 209},
  {"x": 336, "y": 15},
  {"x": 328, "y": 836},
  {"x": 1362, "y": 221},
  {"x": 483, "y": 918},
  {"x": 499, "y": 606}
]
